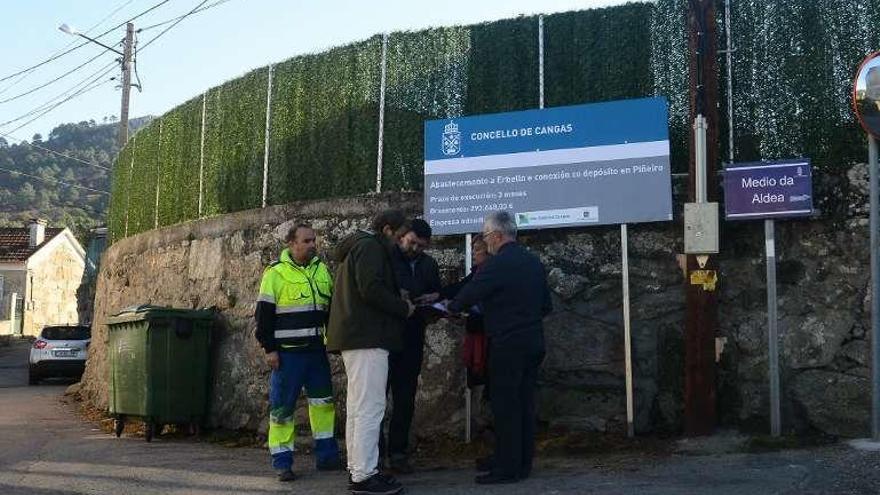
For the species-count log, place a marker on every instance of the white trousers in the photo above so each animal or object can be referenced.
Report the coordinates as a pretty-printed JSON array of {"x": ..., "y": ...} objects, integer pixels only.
[{"x": 367, "y": 372}]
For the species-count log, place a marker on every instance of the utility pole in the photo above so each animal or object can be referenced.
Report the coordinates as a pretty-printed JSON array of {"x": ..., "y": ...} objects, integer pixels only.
[
  {"x": 702, "y": 281},
  {"x": 122, "y": 136}
]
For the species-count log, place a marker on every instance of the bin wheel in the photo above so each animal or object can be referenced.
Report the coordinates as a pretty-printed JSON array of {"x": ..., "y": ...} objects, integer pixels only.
[
  {"x": 118, "y": 426},
  {"x": 149, "y": 430}
]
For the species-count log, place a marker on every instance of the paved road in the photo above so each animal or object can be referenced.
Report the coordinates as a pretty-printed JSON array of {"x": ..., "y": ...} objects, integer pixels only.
[{"x": 46, "y": 449}]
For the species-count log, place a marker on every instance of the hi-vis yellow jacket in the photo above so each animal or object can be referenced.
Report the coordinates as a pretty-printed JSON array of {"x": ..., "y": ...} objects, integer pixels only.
[{"x": 293, "y": 304}]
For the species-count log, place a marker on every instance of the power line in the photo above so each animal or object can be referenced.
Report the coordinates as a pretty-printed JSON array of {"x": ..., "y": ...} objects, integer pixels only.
[
  {"x": 91, "y": 86},
  {"x": 15, "y": 172},
  {"x": 65, "y": 52},
  {"x": 55, "y": 152},
  {"x": 94, "y": 85},
  {"x": 87, "y": 31},
  {"x": 90, "y": 78},
  {"x": 62, "y": 76},
  {"x": 176, "y": 22},
  {"x": 206, "y": 7}
]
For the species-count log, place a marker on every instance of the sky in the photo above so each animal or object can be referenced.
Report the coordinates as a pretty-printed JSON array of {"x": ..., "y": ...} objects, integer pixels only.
[{"x": 200, "y": 52}]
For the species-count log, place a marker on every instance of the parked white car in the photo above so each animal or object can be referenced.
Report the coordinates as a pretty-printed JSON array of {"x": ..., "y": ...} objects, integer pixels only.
[{"x": 61, "y": 350}]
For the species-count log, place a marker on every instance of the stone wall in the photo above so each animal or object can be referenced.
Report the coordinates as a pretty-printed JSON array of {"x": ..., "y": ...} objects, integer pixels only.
[{"x": 823, "y": 277}]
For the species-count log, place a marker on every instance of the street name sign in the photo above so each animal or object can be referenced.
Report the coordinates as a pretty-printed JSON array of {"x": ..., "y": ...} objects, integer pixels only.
[{"x": 779, "y": 189}]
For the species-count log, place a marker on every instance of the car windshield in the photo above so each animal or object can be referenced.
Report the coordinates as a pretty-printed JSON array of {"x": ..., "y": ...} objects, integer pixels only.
[{"x": 67, "y": 333}]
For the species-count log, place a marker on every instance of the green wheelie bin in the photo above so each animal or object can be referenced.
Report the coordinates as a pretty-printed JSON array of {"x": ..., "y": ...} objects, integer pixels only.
[{"x": 159, "y": 367}]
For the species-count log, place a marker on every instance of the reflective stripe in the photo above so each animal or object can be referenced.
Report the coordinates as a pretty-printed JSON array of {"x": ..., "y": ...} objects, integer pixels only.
[
  {"x": 299, "y": 332},
  {"x": 269, "y": 298},
  {"x": 322, "y": 415},
  {"x": 299, "y": 309},
  {"x": 280, "y": 449}
]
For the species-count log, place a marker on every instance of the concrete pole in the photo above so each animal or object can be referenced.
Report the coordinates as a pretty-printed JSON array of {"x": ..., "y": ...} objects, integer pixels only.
[{"x": 122, "y": 135}]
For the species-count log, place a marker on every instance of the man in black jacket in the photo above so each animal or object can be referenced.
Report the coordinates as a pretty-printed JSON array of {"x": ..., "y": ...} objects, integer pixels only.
[
  {"x": 511, "y": 289},
  {"x": 419, "y": 276}
]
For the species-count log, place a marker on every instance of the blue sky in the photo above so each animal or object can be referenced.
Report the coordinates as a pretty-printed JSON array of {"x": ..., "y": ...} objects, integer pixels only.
[{"x": 203, "y": 50}]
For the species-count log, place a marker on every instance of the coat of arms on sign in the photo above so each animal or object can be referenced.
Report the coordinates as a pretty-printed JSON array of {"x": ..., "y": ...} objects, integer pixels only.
[{"x": 451, "y": 139}]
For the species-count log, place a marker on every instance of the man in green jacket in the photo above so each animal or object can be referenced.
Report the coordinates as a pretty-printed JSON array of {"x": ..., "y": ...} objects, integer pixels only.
[{"x": 367, "y": 318}]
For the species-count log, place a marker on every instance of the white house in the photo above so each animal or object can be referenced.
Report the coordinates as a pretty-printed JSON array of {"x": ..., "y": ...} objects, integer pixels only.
[{"x": 41, "y": 270}]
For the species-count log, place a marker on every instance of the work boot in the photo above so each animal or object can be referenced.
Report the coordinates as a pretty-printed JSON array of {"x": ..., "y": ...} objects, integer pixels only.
[
  {"x": 401, "y": 465},
  {"x": 286, "y": 475},
  {"x": 485, "y": 464},
  {"x": 378, "y": 484}
]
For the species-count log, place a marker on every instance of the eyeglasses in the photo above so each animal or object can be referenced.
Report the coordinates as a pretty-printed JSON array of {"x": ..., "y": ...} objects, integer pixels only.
[{"x": 486, "y": 234}]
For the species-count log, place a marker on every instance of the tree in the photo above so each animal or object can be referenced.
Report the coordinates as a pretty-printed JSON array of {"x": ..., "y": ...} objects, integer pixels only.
[{"x": 27, "y": 194}]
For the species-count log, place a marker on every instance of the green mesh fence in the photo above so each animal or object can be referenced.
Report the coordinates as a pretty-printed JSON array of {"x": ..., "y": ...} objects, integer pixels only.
[
  {"x": 325, "y": 123},
  {"x": 791, "y": 82}
]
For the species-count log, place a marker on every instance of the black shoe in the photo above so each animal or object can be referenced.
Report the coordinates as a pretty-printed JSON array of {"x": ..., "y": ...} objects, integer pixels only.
[
  {"x": 391, "y": 480},
  {"x": 485, "y": 464},
  {"x": 286, "y": 475},
  {"x": 495, "y": 479},
  {"x": 401, "y": 465},
  {"x": 331, "y": 465},
  {"x": 375, "y": 485}
]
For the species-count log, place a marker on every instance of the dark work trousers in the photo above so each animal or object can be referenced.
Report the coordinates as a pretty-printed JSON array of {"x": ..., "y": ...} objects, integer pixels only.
[
  {"x": 513, "y": 373},
  {"x": 403, "y": 381}
]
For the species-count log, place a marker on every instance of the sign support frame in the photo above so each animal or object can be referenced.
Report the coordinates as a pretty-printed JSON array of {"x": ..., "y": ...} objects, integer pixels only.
[
  {"x": 875, "y": 288},
  {"x": 772, "y": 327},
  {"x": 627, "y": 330}
]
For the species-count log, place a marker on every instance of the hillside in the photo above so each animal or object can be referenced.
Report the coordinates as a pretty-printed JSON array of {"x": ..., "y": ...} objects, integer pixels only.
[{"x": 23, "y": 197}]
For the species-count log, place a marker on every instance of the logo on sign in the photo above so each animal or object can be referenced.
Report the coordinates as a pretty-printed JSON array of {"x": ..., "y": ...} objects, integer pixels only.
[{"x": 451, "y": 139}]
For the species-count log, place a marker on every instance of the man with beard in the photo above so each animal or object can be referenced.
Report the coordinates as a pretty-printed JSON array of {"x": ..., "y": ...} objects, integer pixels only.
[
  {"x": 367, "y": 319},
  {"x": 419, "y": 276},
  {"x": 291, "y": 315}
]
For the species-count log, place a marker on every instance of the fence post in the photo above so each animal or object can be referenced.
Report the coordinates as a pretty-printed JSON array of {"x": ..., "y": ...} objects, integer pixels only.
[
  {"x": 158, "y": 176},
  {"x": 381, "y": 113},
  {"x": 540, "y": 61},
  {"x": 266, "y": 136},
  {"x": 202, "y": 152}
]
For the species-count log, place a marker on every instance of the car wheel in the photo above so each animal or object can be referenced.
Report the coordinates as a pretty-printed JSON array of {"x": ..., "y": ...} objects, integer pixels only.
[{"x": 33, "y": 377}]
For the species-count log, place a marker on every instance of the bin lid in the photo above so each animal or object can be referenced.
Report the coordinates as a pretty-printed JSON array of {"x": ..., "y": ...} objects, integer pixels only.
[{"x": 149, "y": 311}]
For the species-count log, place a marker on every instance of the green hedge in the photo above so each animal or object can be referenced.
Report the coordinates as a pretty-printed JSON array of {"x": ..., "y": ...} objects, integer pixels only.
[
  {"x": 179, "y": 156},
  {"x": 426, "y": 79},
  {"x": 144, "y": 173},
  {"x": 235, "y": 143},
  {"x": 792, "y": 72},
  {"x": 119, "y": 182},
  {"x": 324, "y": 123}
]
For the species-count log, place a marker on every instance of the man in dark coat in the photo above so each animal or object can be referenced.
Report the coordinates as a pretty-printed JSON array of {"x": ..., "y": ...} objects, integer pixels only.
[{"x": 511, "y": 289}]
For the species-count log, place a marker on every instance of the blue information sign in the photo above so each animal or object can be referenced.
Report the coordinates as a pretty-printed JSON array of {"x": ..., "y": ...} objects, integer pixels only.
[
  {"x": 768, "y": 190},
  {"x": 595, "y": 164}
]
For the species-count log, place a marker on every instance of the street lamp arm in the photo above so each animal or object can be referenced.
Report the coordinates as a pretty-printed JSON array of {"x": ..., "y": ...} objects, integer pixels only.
[
  {"x": 99, "y": 43},
  {"x": 64, "y": 28}
]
